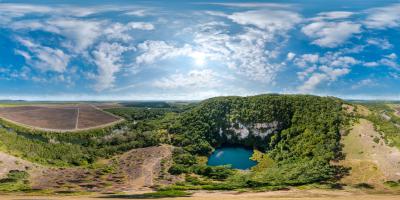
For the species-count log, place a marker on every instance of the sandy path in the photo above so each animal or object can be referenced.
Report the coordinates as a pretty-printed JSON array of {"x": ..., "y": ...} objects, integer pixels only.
[
  {"x": 275, "y": 195},
  {"x": 77, "y": 118},
  {"x": 143, "y": 167}
]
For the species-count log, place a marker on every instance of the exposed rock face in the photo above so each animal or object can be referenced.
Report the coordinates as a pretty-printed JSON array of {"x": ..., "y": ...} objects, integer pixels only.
[{"x": 261, "y": 130}]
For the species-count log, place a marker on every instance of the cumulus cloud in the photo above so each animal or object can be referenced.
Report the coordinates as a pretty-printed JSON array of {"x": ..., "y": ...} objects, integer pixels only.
[
  {"x": 80, "y": 33},
  {"x": 271, "y": 20},
  {"x": 331, "y": 34},
  {"x": 42, "y": 57},
  {"x": 10, "y": 11},
  {"x": 139, "y": 12},
  {"x": 245, "y": 52},
  {"x": 153, "y": 50},
  {"x": 22, "y": 9},
  {"x": 121, "y": 31},
  {"x": 312, "y": 82},
  {"x": 254, "y": 5},
  {"x": 326, "y": 68},
  {"x": 250, "y": 52},
  {"x": 290, "y": 56},
  {"x": 387, "y": 60},
  {"x": 381, "y": 43},
  {"x": 332, "y": 15},
  {"x": 205, "y": 78},
  {"x": 306, "y": 60},
  {"x": 365, "y": 82},
  {"x": 383, "y": 17},
  {"x": 107, "y": 57}
]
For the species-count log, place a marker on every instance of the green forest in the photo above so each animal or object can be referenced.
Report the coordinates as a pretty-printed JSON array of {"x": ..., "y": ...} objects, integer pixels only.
[{"x": 297, "y": 137}]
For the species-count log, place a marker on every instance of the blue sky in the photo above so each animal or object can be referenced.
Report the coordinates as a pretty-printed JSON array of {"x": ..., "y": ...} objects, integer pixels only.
[{"x": 141, "y": 50}]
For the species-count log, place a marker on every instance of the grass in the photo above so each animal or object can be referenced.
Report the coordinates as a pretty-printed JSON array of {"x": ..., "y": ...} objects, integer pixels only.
[
  {"x": 358, "y": 159},
  {"x": 14, "y": 186},
  {"x": 392, "y": 184},
  {"x": 15, "y": 181}
]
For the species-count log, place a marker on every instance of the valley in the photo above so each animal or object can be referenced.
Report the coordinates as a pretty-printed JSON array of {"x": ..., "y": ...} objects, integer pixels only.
[{"x": 304, "y": 146}]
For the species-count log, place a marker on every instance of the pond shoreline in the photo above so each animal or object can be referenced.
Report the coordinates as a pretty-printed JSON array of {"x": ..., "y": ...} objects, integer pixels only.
[{"x": 238, "y": 157}]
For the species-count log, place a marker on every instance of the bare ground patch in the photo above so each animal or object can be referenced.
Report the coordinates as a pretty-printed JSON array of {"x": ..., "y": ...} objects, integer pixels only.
[
  {"x": 371, "y": 160},
  {"x": 9, "y": 162},
  {"x": 221, "y": 195},
  {"x": 135, "y": 170}
]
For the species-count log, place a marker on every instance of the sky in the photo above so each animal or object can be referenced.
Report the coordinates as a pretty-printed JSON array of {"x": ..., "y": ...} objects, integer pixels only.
[{"x": 192, "y": 50}]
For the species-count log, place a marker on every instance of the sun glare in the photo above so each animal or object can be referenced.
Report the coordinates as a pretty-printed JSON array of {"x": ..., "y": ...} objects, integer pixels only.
[{"x": 199, "y": 58}]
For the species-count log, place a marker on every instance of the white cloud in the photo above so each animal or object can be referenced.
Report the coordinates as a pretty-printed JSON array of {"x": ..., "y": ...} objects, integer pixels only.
[
  {"x": 140, "y": 25},
  {"x": 381, "y": 43},
  {"x": 333, "y": 15},
  {"x": 249, "y": 52},
  {"x": 42, "y": 57},
  {"x": 306, "y": 60},
  {"x": 341, "y": 61},
  {"x": 312, "y": 82},
  {"x": 80, "y": 33},
  {"x": 331, "y": 34},
  {"x": 245, "y": 52},
  {"x": 371, "y": 64},
  {"x": 83, "y": 33},
  {"x": 153, "y": 51},
  {"x": 290, "y": 56},
  {"x": 306, "y": 73},
  {"x": 107, "y": 57},
  {"x": 318, "y": 69},
  {"x": 383, "y": 17},
  {"x": 205, "y": 78},
  {"x": 138, "y": 13},
  {"x": 363, "y": 83},
  {"x": 388, "y": 60},
  {"x": 22, "y": 9},
  {"x": 333, "y": 73},
  {"x": 271, "y": 20},
  {"x": 392, "y": 56},
  {"x": 9, "y": 11},
  {"x": 254, "y": 5},
  {"x": 121, "y": 31}
]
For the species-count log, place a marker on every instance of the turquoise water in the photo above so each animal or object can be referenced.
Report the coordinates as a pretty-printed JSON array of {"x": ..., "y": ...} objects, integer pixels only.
[{"x": 237, "y": 157}]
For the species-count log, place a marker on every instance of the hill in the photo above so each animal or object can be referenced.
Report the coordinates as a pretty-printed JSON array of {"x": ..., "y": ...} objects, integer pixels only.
[
  {"x": 300, "y": 134},
  {"x": 299, "y": 141}
]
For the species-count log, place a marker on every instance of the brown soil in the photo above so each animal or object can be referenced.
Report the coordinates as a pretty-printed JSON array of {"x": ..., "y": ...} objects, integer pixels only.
[
  {"x": 91, "y": 116},
  {"x": 135, "y": 170},
  {"x": 220, "y": 195},
  {"x": 8, "y": 163},
  {"x": 371, "y": 162},
  {"x": 58, "y": 117}
]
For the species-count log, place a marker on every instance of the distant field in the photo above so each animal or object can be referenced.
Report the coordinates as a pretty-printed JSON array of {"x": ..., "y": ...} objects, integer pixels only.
[{"x": 58, "y": 117}]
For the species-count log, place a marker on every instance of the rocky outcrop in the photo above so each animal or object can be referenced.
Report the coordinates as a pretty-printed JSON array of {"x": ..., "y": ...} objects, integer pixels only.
[{"x": 243, "y": 131}]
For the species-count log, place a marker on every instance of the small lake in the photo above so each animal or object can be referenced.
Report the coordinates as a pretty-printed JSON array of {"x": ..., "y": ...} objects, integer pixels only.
[{"x": 237, "y": 157}]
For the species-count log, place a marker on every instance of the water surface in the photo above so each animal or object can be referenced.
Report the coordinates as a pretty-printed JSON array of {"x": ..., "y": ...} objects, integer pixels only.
[{"x": 237, "y": 157}]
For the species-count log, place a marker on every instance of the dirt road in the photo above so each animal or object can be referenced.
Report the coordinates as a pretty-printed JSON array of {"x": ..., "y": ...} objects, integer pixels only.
[{"x": 275, "y": 195}]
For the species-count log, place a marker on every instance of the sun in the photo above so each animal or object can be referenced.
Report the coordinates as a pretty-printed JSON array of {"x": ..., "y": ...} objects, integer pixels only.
[{"x": 199, "y": 58}]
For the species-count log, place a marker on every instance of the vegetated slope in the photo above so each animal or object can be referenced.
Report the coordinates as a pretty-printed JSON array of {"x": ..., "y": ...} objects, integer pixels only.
[
  {"x": 298, "y": 135},
  {"x": 299, "y": 132},
  {"x": 372, "y": 146},
  {"x": 371, "y": 160},
  {"x": 134, "y": 170}
]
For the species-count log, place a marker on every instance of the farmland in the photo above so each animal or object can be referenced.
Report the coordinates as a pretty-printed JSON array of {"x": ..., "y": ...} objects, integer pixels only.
[{"x": 69, "y": 117}]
